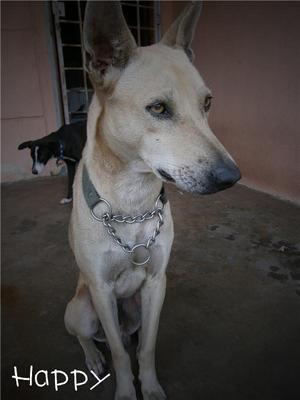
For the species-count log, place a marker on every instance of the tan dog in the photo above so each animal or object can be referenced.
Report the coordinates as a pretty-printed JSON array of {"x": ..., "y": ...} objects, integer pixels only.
[{"x": 147, "y": 123}]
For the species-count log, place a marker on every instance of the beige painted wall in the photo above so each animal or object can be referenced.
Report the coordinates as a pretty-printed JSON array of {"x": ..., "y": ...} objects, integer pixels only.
[
  {"x": 249, "y": 55},
  {"x": 27, "y": 94}
]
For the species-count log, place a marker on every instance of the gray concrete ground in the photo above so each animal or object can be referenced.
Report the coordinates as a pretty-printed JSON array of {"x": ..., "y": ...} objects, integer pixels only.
[{"x": 230, "y": 326}]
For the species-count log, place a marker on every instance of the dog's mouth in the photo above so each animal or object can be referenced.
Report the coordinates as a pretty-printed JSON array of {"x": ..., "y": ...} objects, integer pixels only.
[
  {"x": 206, "y": 182},
  {"x": 165, "y": 175}
]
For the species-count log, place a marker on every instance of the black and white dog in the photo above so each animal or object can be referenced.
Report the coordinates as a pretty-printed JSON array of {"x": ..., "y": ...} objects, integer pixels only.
[{"x": 64, "y": 144}]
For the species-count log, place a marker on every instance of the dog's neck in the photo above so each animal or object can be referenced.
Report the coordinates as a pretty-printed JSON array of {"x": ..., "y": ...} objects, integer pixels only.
[{"x": 126, "y": 183}]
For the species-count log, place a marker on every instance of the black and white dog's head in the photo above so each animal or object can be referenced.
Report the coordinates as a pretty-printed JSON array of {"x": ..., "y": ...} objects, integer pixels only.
[{"x": 40, "y": 152}]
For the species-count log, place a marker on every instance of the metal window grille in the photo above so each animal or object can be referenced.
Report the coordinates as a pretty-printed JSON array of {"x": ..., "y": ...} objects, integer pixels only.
[{"x": 143, "y": 19}]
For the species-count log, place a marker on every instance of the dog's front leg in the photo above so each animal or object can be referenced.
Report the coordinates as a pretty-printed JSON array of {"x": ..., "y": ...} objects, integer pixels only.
[
  {"x": 152, "y": 297},
  {"x": 105, "y": 304},
  {"x": 71, "y": 167}
]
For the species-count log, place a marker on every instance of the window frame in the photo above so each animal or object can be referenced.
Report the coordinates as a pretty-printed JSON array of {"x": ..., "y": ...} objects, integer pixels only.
[{"x": 57, "y": 9}]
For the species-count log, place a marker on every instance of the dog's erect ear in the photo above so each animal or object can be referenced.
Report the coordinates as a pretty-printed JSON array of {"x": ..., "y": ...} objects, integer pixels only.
[
  {"x": 181, "y": 32},
  {"x": 108, "y": 41},
  {"x": 24, "y": 145}
]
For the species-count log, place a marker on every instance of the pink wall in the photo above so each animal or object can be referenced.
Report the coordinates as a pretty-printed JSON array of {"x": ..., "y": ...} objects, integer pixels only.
[
  {"x": 247, "y": 52},
  {"x": 28, "y": 104},
  {"x": 249, "y": 55}
]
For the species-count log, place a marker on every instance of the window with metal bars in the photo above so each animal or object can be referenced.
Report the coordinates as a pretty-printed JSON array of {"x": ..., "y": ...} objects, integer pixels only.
[{"x": 143, "y": 20}]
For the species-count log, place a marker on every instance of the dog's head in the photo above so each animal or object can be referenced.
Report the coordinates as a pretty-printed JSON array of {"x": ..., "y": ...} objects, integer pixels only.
[
  {"x": 40, "y": 153},
  {"x": 155, "y": 105}
]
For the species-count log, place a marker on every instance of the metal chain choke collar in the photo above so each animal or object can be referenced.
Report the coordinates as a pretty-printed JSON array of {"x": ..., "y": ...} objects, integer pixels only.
[{"x": 108, "y": 218}]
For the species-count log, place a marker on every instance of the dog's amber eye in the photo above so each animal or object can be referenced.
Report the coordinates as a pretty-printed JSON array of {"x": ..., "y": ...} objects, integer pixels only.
[
  {"x": 158, "y": 108},
  {"x": 207, "y": 103}
]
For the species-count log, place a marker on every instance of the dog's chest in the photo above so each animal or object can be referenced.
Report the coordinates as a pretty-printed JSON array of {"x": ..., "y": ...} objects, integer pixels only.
[
  {"x": 115, "y": 265},
  {"x": 99, "y": 255},
  {"x": 128, "y": 277},
  {"x": 129, "y": 280}
]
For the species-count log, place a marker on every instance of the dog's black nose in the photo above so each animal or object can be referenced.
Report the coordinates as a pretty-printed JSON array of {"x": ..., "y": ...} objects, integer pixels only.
[
  {"x": 34, "y": 171},
  {"x": 226, "y": 176}
]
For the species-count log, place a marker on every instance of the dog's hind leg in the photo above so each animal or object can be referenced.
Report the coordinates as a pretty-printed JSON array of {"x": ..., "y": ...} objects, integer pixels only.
[{"x": 82, "y": 322}]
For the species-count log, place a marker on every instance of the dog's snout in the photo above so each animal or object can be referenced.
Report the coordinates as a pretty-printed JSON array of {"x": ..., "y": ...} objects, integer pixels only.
[
  {"x": 226, "y": 176},
  {"x": 34, "y": 171}
]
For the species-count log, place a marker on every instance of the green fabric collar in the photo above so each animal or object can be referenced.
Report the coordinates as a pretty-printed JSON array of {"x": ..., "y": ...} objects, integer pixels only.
[{"x": 92, "y": 196}]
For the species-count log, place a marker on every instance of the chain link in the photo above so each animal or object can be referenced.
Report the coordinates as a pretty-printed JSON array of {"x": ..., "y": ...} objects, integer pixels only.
[{"x": 108, "y": 218}]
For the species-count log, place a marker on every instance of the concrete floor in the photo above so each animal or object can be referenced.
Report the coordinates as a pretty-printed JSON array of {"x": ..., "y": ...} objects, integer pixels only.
[{"x": 230, "y": 326}]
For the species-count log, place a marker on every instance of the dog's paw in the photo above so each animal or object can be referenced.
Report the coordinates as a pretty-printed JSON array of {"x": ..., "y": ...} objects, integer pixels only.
[
  {"x": 66, "y": 200},
  {"x": 153, "y": 391},
  {"x": 128, "y": 394},
  {"x": 117, "y": 397},
  {"x": 95, "y": 361}
]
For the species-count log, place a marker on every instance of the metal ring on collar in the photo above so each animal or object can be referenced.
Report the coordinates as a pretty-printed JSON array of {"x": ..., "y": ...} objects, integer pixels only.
[
  {"x": 136, "y": 247},
  {"x": 101, "y": 200}
]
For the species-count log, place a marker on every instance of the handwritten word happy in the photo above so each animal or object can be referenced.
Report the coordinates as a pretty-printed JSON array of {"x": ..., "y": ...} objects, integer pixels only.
[{"x": 60, "y": 378}]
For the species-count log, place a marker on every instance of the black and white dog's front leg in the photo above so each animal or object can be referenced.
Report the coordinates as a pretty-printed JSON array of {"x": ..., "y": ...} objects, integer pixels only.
[{"x": 71, "y": 167}]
